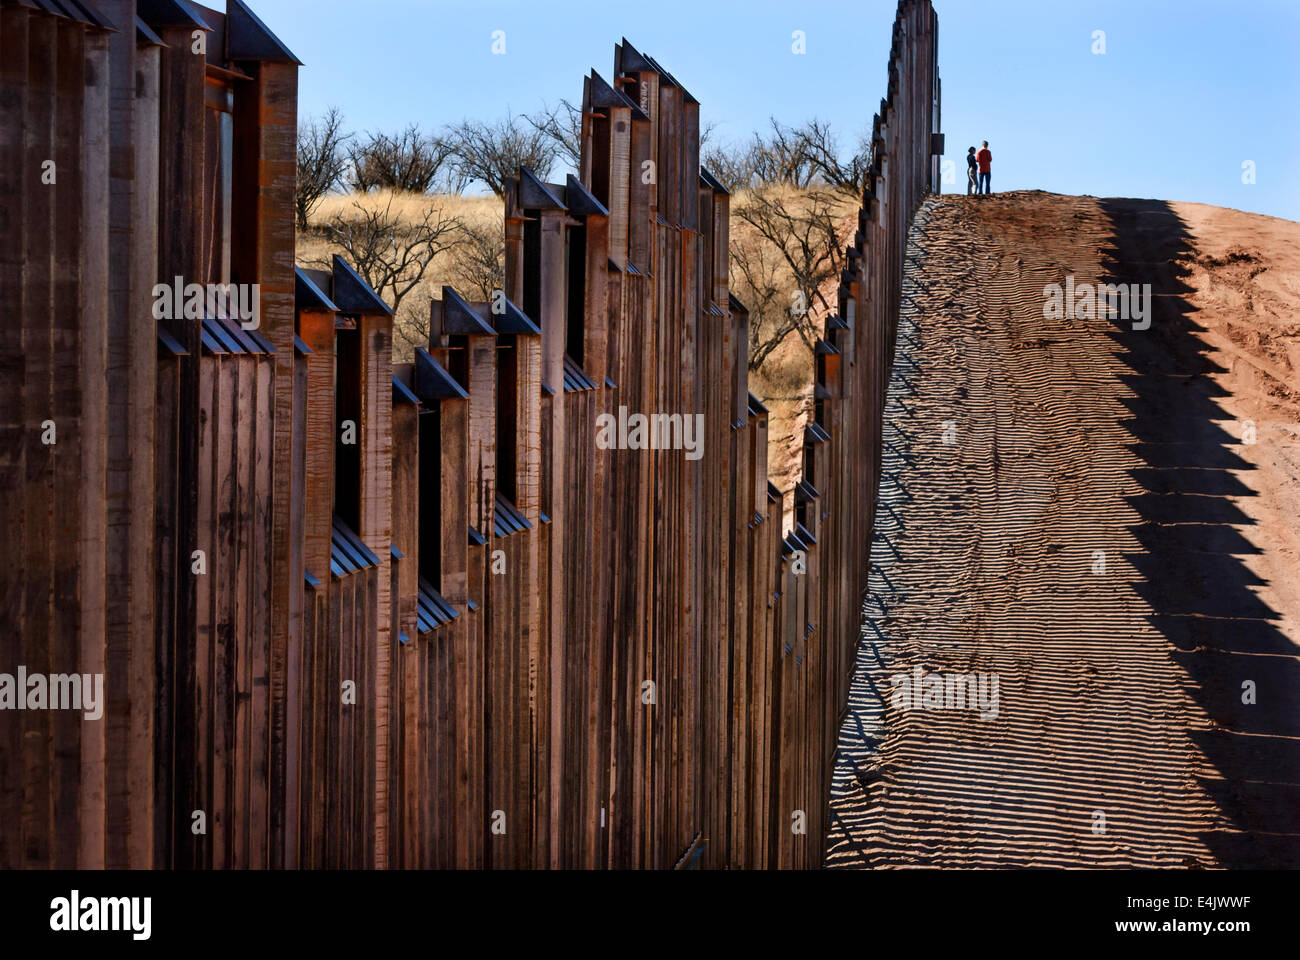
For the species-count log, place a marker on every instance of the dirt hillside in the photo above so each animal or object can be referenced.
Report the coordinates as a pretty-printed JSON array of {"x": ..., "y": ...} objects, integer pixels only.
[{"x": 1075, "y": 509}]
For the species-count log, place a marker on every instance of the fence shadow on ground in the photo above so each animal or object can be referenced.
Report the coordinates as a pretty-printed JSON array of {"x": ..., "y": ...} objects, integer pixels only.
[{"x": 1194, "y": 538}]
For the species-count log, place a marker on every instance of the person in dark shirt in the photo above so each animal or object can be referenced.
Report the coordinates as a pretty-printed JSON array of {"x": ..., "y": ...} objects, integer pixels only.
[
  {"x": 972, "y": 168},
  {"x": 986, "y": 167}
]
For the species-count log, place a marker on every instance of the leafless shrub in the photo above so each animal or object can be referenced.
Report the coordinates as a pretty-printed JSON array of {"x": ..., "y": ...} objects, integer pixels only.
[
  {"x": 802, "y": 157},
  {"x": 322, "y": 160},
  {"x": 784, "y": 158},
  {"x": 410, "y": 161},
  {"x": 822, "y": 152},
  {"x": 733, "y": 166},
  {"x": 563, "y": 126},
  {"x": 707, "y": 131},
  {"x": 492, "y": 153},
  {"x": 391, "y": 253}
]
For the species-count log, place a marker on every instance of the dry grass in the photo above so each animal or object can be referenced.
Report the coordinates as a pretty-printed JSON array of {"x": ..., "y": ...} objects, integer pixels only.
[
  {"x": 407, "y": 205},
  {"x": 447, "y": 268}
]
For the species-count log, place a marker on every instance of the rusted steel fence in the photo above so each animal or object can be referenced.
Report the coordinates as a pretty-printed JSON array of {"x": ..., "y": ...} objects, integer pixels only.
[{"x": 524, "y": 602}]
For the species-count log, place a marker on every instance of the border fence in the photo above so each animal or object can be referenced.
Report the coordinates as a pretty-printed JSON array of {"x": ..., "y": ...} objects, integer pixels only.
[{"x": 468, "y": 611}]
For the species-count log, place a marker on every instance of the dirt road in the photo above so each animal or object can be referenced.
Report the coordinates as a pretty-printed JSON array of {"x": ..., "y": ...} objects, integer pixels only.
[{"x": 1101, "y": 520}]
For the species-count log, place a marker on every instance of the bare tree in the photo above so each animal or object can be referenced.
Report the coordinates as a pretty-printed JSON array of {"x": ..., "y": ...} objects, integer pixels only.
[
  {"x": 756, "y": 279},
  {"x": 783, "y": 157},
  {"x": 322, "y": 159},
  {"x": 479, "y": 260},
  {"x": 780, "y": 157},
  {"x": 820, "y": 148},
  {"x": 389, "y": 251},
  {"x": 735, "y": 167},
  {"x": 707, "y": 132},
  {"x": 563, "y": 125},
  {"x": 492, "y": 153},
  {"x": 802, "y": 233},
  {"x": 410, "y": 161},
  {"x": 801, "y": 157}
]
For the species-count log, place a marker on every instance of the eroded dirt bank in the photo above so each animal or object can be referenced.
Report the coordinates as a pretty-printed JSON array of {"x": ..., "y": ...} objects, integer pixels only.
[{"x": 1076, "y": 510}]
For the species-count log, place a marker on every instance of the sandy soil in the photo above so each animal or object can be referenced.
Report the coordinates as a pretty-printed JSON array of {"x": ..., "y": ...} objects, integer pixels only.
[
  {"x": 1245, "y": 280},
  {"x": 1097, "y": 536}
]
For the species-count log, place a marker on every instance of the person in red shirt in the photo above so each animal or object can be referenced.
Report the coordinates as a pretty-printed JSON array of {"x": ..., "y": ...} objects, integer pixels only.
[{"x": 986, "y": 163}]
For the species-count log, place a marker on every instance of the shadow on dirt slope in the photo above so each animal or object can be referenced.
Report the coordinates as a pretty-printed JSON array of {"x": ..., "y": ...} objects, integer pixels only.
[{"x": 1199, "y": 590}]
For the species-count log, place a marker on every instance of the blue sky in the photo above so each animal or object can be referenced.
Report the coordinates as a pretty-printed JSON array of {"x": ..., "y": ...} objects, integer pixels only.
[{"x": 1186, "y": 92}]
